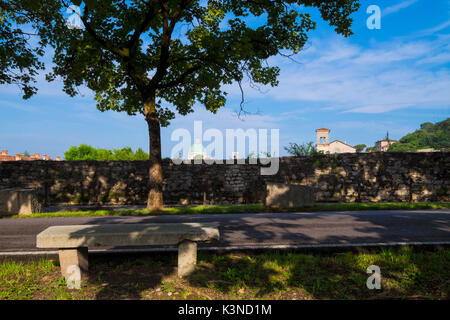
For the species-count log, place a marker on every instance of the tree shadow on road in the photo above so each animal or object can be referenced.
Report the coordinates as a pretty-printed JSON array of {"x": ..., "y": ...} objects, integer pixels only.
[{"x": 406, "y": 272}]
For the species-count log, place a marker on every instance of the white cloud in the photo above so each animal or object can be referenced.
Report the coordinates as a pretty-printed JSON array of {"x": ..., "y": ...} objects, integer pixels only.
[
  {"x": 19, "y": 106},
  {"x": 435, "y": 29},
  {"x": 340, "y": 75},
  {"x": 389, "y": 76},
  {"x": 225, "y": 118},
  {"x": 398, "y": 7},
  {"x": 440, "y": 58}
]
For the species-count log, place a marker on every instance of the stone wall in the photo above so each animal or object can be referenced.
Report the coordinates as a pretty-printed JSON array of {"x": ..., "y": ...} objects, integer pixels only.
[
  {"x": 371, "y": 177},
  {"x": 366, "y": 177}
]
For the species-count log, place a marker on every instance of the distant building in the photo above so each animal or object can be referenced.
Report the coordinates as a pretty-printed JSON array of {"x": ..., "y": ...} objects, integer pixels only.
[
  {"x": 383, "y": 145},
  {"x": 428, "y": 150},
  {"x": 197, "y": 151},
  {"x": 20, "y": 157},
  {"x": 324, "y": 145}
]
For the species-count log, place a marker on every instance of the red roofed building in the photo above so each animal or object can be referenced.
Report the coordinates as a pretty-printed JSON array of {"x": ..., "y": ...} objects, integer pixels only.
[
  {"x": 20, "y": 157},
  {"x": 383, "y": 145}
]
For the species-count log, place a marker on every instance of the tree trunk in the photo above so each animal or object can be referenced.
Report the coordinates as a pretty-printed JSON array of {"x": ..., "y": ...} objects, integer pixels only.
[{"x": 155, "y": 194}]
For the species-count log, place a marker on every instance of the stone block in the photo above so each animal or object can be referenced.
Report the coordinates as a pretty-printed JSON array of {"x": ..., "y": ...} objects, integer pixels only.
[
  {"x": 123, "y": 235},
  {"x": 187, "y": 257},
  {"x": 73, "y": 242},
  {"x": 280, "y": 195},
  {"x": 18, "y": 201},
  {"x": 78, "y": 257}
]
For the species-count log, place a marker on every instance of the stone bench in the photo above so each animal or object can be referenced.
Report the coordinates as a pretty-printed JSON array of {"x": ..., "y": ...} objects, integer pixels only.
[
  {"x": 18, "y": 201},
  {"x": 281, "y": 195},
  {"x": 73, "y": 241}
]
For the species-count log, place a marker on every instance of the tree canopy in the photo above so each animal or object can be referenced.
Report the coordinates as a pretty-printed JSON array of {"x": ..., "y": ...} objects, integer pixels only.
[
  {"x": 436, "y": 136},
  {"x": 87, "y": 152},
  {"x": 127, "y": 50},
  {"x": 20, "y": 58},
  {"x": 305, "y": 149},
  {"x": 360, "y": 147},
  {"x": 160, "y": 57}
]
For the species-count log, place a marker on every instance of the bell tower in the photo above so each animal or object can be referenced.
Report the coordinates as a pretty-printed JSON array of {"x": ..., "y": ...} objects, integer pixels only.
[{"x": 323, "y": 136}]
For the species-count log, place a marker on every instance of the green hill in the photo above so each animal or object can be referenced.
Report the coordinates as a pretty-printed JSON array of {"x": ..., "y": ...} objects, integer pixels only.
[{"x": 436, "y": 136}]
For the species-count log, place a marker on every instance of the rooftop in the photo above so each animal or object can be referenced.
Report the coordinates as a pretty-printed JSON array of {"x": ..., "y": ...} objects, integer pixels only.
[{"x": 18, "y": 157}]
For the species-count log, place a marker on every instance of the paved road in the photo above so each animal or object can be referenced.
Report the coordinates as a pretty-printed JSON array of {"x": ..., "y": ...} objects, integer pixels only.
[{"x": 269, "y": 229}]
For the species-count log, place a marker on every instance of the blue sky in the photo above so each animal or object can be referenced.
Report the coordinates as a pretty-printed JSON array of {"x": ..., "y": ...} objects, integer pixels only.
[{"x": 391, "y": 79}]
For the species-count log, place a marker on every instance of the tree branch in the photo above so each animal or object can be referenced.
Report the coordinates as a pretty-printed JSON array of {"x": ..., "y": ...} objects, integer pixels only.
[
  {"x": 168, "y": 27},
  {"x": 180, "y": 79},
  {"x": 143, "y": 26},
  {"x": 120, "y": 52}
]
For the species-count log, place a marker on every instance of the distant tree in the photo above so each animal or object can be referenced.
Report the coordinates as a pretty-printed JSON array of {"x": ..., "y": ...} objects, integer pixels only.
[
  {"x": 87, "y": 152},
  {"x": 427, "y": 126},
  {"x": 305, "y": 149},
  {"x": 371, "y": 149},
  {"x": 436, "y": 136},
  {"x": 123, "y": 154},
  {"x": 140, "y": 155},
  {"x": 26, "y": 154},
  {"x": 360, "y": 147},
  {"x": 104, "y": 155},
  {"x": 399, "y": 147},
  {"x": 82, "y": 152}
]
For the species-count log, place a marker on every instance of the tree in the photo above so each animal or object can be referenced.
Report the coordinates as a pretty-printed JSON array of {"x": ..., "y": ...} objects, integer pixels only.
[
  {"x": 26, "y": 154},
  {"x": 141, "y": 155},
  {"x": 427, "y": 126},
  {"x": 371, "y": 149},
  {"x": 82, "y": 152},
  {"x": 436, "y": 136},
  {"x": 360, "y": 147},
  {"x": 87, "y": 152},
  {"x": 123, "y": 154},
  {"x": 399, "y": 147},
  {"x": 20, "y": 57},
  {"x": 305, "y": 149},
  {"x": 158, "y": 57},
  {"x": 101, "y": 155}
]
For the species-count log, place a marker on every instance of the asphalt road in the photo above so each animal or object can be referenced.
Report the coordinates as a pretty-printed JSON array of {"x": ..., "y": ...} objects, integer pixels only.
[{"x": 322, "y": 229}]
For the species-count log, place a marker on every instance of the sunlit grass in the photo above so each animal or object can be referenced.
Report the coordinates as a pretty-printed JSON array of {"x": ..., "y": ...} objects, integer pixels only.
[
  {"x": 406, "y": 273},
  {"x": 244, "y": 208}
]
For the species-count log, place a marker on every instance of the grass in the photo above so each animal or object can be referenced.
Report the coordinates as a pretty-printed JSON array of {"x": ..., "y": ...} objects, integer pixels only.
[
  {"x": 406, "y": 273},
  {"x": 245, "y": 208}
]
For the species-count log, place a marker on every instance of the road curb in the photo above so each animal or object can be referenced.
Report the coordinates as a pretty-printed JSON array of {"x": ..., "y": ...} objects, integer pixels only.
[{"x": 243, "y": 247}]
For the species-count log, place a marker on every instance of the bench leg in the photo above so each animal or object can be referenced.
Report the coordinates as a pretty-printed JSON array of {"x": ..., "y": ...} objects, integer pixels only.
[
  {"x": 187, "y": 257},
  {"x": 68, "y": 258}
]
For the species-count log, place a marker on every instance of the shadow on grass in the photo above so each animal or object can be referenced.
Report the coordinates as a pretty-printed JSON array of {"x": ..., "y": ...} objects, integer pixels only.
[
  {"x": 120, "y": 276},
  {"x": 406, "y": 273},
  {"x": 134, "y": 276}
]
